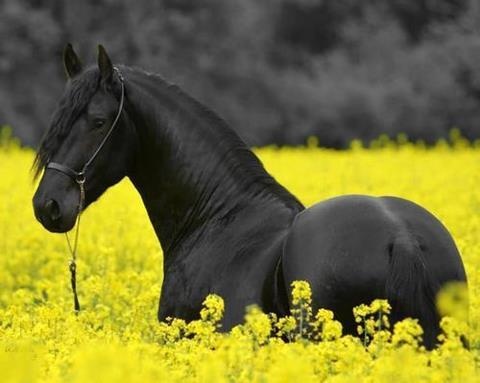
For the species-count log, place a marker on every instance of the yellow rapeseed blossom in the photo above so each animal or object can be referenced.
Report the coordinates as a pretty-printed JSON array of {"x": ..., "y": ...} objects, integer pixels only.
[
  {"x": 325, "y": 327},
  {"x": 301, "y": 308},
  {"x": 301, "y": 293},
  {"x": 117, "y": 337},
  {"x": 258, "y": 325},
  {"x": 407, "y": 332},
  {"x": 213, "y": 309}
]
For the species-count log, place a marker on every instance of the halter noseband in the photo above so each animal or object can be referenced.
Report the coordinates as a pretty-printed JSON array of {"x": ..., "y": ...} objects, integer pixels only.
[{"x": 79, "y": 178}]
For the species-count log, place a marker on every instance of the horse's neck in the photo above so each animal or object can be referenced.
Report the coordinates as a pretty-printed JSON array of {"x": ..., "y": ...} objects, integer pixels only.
[{"x": 193, "y": 173}]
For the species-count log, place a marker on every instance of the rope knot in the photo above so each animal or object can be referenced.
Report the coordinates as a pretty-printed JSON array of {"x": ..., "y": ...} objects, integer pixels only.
[{"x": 72, "y": 265}]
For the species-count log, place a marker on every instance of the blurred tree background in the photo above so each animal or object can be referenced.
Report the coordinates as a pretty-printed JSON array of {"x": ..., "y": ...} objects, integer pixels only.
[{"x": 278, "y": 71}]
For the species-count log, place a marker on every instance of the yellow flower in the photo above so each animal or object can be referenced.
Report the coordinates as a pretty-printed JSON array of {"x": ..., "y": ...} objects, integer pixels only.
[
  {"x": 301, "y": 293},
  {"x": 407, "y": 332},
  {"x": 325, "y": 327},
  {"x": 301, "y": 307},
  {"x": 213, "y": 308},
  {"x": 258, "y": 324}
]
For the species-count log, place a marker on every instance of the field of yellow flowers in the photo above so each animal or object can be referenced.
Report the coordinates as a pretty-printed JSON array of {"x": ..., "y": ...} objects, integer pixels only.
[{"x": 117, "y": 338}]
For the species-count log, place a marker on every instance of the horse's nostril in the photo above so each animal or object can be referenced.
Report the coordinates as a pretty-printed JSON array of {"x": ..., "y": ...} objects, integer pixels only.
[{"x": 52, "y": 209}]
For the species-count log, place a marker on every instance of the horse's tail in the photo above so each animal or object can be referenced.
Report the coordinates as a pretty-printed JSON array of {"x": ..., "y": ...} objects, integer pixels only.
[{"x": 411, "y": 288}]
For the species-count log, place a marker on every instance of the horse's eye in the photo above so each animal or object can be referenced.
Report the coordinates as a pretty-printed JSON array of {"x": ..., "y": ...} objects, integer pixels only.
[{"x": 98, "y": 122}]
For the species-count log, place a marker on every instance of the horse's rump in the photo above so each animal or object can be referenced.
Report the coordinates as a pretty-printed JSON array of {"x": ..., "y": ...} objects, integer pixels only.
[{"x": 354, "y": 249}]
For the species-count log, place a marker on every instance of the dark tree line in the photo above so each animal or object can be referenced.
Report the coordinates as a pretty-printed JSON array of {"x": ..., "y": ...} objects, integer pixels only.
[{"x": 277, "y": 70}]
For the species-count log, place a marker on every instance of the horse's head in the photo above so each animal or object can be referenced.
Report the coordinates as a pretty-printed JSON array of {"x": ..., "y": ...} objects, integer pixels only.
[{"x": 89, "y": 112}]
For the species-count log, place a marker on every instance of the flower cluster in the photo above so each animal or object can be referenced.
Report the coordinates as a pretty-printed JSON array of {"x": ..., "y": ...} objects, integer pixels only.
[{"x": 372, "y": 319}]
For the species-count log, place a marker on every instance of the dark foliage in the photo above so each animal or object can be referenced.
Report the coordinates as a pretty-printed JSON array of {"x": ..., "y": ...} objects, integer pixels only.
[{"x": 277, "y": 70}]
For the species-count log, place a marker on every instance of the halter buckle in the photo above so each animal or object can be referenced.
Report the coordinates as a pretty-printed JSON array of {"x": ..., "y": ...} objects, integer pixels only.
[{"x": 80, "y": 178}]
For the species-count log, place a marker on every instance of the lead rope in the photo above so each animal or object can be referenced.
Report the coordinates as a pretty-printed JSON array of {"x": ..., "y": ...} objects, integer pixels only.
[{"x": 72, "y": 265}]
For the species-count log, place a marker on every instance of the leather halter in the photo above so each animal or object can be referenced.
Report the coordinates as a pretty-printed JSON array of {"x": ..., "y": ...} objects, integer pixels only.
[{"x": 79, "y": 177}]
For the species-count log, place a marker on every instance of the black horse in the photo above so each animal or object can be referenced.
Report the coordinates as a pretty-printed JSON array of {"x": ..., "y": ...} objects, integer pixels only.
[{"x": 225, "y": 225}]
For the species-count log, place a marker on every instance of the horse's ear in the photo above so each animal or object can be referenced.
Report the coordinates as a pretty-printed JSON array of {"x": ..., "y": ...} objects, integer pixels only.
[
  {"x": 104, "y": 64},
  {"x": 71, "y": 62}
]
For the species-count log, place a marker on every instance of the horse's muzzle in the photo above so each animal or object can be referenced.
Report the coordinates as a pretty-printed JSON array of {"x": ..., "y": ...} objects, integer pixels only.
[{"x": 49, "y": 213}]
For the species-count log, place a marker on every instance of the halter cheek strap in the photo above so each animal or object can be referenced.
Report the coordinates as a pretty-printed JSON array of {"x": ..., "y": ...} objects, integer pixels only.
[{"x": 79, "y": 178}]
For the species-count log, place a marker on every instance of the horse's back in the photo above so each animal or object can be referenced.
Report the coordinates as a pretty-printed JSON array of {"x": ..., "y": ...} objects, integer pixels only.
[{"x": 344, "y": 248}]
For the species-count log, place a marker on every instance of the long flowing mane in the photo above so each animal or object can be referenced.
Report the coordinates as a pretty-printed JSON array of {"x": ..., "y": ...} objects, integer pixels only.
[{"x": 229, "y": 148}]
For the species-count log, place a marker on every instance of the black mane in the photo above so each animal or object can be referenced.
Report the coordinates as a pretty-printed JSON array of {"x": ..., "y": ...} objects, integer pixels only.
[
  {"x": 73, "y": 102},
  {"x": 232, "y": 150}
]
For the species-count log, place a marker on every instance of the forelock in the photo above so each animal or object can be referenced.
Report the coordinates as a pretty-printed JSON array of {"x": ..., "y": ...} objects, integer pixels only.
[{"x": 73, "y": 102}]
